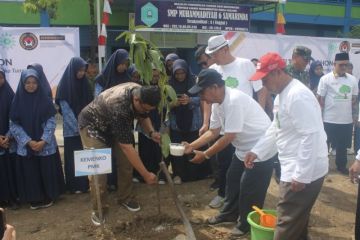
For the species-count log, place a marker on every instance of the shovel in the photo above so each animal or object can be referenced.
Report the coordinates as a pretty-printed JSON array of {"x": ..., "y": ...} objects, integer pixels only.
[{"x": 266, "y": 220}]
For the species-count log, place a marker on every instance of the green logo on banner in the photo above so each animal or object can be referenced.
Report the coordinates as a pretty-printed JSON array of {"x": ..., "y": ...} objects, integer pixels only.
[
  {"x": 7, "y": 41},
  {"x": 149, "y": 14}
]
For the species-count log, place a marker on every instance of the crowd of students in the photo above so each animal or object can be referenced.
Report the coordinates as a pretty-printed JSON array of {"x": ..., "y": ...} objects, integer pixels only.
[{"x": 31, "y": 170}]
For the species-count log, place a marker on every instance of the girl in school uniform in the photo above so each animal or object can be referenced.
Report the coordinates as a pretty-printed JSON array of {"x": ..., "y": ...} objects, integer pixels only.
[
  {"x": 8, "y": 194},
  {"x": 72, "y": 95},
  {"x": 115, "y": 71},
  {"x": 39, "y": 174},
  {"x": 185, "y": 122}
]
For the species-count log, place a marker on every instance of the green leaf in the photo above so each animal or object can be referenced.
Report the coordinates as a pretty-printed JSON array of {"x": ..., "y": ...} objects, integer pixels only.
[
  {"x": 123, "y": 34},
  {"x": 170, "y": 92},
  {"x": 165, "y": 144}
]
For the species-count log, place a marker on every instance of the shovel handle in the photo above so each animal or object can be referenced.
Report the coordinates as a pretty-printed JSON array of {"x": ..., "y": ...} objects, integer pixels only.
[{"x": 258, "y": 210}]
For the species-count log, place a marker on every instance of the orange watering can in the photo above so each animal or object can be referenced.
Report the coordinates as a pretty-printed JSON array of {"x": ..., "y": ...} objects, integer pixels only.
[{"x": 266, "y": 220}]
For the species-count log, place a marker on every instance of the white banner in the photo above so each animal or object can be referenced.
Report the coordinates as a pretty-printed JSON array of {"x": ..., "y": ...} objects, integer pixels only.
[
  {"x": 253, "y": 45},
  {"x": 51, "y": 47},
  {"x": 92, "y": 162}
]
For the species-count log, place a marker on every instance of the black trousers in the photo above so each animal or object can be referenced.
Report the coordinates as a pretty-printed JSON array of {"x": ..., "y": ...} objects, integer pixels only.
[
  {"x": 245, "y": 188},
  {"x": 224, "y": 161},
  {"x": 340, "y": 136}
]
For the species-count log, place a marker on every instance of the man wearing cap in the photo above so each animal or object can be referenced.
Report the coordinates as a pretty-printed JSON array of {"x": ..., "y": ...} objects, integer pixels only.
[
  {"x": 243, "y": 122},
  {"x": 300, "y": 59},
  {"x": 236, "y": 73},
  {"x": 203, "y": 60},
  {"x": 297, "y": 133},
  {"x": 337, "y": 93}
]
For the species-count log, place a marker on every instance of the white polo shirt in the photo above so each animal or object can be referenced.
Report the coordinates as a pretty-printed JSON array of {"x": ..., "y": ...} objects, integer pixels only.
[
  {"x": 240, "y": 114},
  {"x": 337, "y": 92},
  {"x": 237, "y": 75},
  {"x": 297, "y": 132}
]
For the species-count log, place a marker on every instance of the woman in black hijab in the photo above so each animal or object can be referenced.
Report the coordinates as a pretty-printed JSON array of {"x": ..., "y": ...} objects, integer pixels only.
[
  {"x": 169, "y": 61},
  {"x": 114, "y": 72},
  {"x": 32, "y": 123},
  {"x": 8, "y": 193},
  {"x": 315, "y": 73},
  {"x": 72, "y": 95},
  {"x": 42, "y": 78},
  {"x": 185, "y": 122}
]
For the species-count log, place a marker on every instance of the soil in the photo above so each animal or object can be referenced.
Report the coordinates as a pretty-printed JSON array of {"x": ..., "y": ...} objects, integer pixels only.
[{"x": 332, "y": 216}]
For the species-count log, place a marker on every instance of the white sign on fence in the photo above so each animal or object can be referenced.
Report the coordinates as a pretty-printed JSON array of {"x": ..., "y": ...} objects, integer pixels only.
[
  {"x": 52, "y": 47},
  {"x": 92, "y": 162},
  {"x": 254, "y": 45}
]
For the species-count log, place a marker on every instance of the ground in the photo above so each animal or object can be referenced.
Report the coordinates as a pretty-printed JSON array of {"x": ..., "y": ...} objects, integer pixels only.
[{"x": 332, "y": 217}]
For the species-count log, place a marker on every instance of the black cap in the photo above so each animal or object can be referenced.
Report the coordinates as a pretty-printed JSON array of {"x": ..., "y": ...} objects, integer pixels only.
[
  {"x": 206, "y": 78},
  {"x": 342, "y": 56}
]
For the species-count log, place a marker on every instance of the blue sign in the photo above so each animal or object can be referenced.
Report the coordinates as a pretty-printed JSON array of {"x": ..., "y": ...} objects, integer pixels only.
[{"x": 191, "y": 16}]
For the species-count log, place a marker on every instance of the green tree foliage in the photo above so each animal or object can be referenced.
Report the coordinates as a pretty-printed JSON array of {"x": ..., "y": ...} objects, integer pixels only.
[
  {"x": 36, "y": 6},
  {"x": 145, "y": 55}
]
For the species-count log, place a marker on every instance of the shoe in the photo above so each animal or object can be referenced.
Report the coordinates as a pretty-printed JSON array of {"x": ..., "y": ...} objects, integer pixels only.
[
  {"x": 131, "y": 205},
  {"x": 96, "y": 220},
  {"x": 38, "y": 205},
  {"x": 214, "y": 186},
  {"x": 218, "y": 220},
  {"x": 237, "y": 232},
  {"x": 343, "y": 171},
  {"x": 161, "y": 182},
  {"x": 135, "y": 180},
  {"x": 216, "y": 202},
  {"x": 177, "y": 180}
]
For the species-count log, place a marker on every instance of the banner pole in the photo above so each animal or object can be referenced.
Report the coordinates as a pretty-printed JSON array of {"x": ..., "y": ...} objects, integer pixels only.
[
  {"x": 98, "y": 199},
  {"x": 99, "y": 32}
]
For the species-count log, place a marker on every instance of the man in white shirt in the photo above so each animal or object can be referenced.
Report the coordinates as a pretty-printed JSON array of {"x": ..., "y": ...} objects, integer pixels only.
[
  {"x": 243, "y": 122},
  {"x": 297, "y": 133},
  {"x": 236, "y": 73},
  {"x": 337, "y": 94}
]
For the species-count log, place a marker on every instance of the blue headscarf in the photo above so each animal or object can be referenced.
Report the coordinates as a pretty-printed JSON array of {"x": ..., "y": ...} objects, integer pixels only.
[
  {"x": 6, "y": 97},
  {"x": 109, "y": 76},
  {"x": 44, "y": 83},
  {"x": 31, "y": 110},
  {"x": 170, "y": 57},
  {"x": 314, "y": 78},
  {"x": 76, "y": 92},
  {"x": 184, "y": 86}
]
